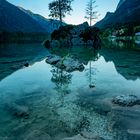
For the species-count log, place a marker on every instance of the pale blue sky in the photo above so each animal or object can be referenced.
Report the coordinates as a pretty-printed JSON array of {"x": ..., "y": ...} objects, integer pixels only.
[{"x": 78, "y": 13}]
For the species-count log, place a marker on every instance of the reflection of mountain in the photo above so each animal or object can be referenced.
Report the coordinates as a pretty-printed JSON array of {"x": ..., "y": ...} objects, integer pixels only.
[
  {"x": 126, "y": 62},
  {"x": 21, "y": 53}
]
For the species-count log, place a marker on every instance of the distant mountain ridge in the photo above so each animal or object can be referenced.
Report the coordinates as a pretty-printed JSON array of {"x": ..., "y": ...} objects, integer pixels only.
[
  {"x": 127, "y": 12},
  {"x": 15, "y": 19},
  {"x": 49, "y": 25}
]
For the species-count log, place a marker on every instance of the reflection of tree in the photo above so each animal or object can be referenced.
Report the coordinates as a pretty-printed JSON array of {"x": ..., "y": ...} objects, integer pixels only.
[
  {"x": 61, "y": 79},
  {"x": 92, "y": 70}
]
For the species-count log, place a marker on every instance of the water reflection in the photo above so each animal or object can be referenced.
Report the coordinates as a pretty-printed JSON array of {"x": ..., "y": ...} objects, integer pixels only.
[
  {"x": 62, "y": 79},
  {"x": 126, "y": 61},
  {"x": 14, "y": 56},
  {"x": 61, "y": 103},
  {"x": 122, "y": 43}
]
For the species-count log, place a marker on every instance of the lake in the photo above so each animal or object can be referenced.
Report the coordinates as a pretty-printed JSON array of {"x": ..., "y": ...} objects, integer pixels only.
[{"x": 59, "y": 103}]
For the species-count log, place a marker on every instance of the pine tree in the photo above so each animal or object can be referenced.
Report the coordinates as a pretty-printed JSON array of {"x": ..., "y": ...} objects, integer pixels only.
[
  {"x": 59, "y": 9},
  {"x": 91, "y": 14}
]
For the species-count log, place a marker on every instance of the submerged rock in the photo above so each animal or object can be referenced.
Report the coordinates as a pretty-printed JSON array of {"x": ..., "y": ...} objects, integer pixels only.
[
  {"x": 126, "y": 100},
  {"x": 85, "y": 136},
  {"x": 18, "y": 110},
  {"x": 38, "y": 135},
  {"x": 124, "y": 118},
  {"x": 134, "y": 134}
]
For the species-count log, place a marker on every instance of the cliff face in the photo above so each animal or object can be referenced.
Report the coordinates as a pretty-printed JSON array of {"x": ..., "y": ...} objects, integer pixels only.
[
  {"x": 127, "y": 12},
  {"x": 120, "y": 3}
]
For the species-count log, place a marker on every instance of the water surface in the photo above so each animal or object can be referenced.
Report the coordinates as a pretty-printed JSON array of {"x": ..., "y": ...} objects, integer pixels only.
[{"x": 61, "y": 103}]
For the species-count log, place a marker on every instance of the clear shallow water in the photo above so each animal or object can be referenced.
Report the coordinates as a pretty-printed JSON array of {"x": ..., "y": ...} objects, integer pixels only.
[{"x": 61, "y": 104}]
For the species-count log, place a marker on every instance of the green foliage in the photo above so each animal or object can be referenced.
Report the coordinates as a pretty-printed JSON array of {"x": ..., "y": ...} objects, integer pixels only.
[
  {"x": 89, "y": 33},
  {"x": 59, "y": 8},
  {"x": 62, "y": 32}
]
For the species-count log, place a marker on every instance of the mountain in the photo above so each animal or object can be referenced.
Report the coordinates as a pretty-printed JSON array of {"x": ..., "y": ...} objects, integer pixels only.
[
  {"x": 127, "y": 12},
  {"x": 15, "y": 19},
  {"x": 120, "y": 3},
  {"x": 49, "y": 25},
  {"x": 12, "y": 19}
]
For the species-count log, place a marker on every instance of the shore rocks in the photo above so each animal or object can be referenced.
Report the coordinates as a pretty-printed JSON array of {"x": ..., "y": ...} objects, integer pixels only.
[
  {"x": 123, "y": 113},
  {"x": 67, "y": 63},
  {"x": 126, "y": 100},
  {"x": 85, "y": 136}
]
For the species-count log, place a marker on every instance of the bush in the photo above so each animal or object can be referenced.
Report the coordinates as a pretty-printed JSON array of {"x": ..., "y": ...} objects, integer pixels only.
[
  {"x": 89, "y": 33},
  {"x": 62, "y": 32}
]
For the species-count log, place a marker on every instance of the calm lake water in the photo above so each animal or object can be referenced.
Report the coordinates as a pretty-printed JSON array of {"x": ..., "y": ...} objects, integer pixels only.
[{"x": 59, "y": 103}]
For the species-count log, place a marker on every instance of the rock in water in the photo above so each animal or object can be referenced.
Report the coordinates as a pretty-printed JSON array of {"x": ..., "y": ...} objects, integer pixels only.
[
  {"x": 47, "y": 44},
  {"x": 126, "y": 100},
  {"x": 26, "y": 64},
  {"x": 18, "y": 110},
  {"x": 38, "y": 135},
  {"x": 53, "y": 59},
  {"x": 85, "y": 136},
  {"x": 66, "y": 63}
]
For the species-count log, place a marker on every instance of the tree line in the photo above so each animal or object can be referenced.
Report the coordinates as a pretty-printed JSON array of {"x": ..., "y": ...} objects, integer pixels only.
[{"x": 60, "y": 8}]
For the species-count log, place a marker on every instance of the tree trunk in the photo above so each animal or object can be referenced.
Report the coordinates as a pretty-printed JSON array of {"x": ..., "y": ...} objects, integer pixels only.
[{"x": 60, "y": 13}]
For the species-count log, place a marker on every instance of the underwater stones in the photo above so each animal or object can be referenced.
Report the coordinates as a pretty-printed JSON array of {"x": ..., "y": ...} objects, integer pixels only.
[
  {"x": 133, "y": 134},
  {"x": 126, "y": 100},
  {"x": 85, "y": 136},
  {"x": 124, "y": 117},
  {"x": 91, "y": 86},
  {"x": 66, "y": 63},
  {"x": 18, "y": 110},
  {"x": 38, "y": 135}
]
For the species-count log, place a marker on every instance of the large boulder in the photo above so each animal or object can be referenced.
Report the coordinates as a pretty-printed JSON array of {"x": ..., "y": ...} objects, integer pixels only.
[
  {"x": 71, "y": 64},
  {"x": 66, "y": 63},
  {"x": 53, "y": 59}
]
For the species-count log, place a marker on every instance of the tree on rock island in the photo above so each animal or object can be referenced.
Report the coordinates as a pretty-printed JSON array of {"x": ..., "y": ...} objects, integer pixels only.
[
  {"x": 59, "y": 9},
  {"x": 91, "y": 14}
]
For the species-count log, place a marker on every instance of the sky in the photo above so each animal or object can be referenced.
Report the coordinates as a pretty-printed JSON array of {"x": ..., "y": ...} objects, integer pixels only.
[{"x": 78, "y": 13}]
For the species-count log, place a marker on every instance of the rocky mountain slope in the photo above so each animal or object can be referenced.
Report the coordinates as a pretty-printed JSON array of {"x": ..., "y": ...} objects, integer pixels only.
[
  {"x": 49, "y": 25},
  {"x": 15, "y": 19},
  {"x": 127, "y": 12}
]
